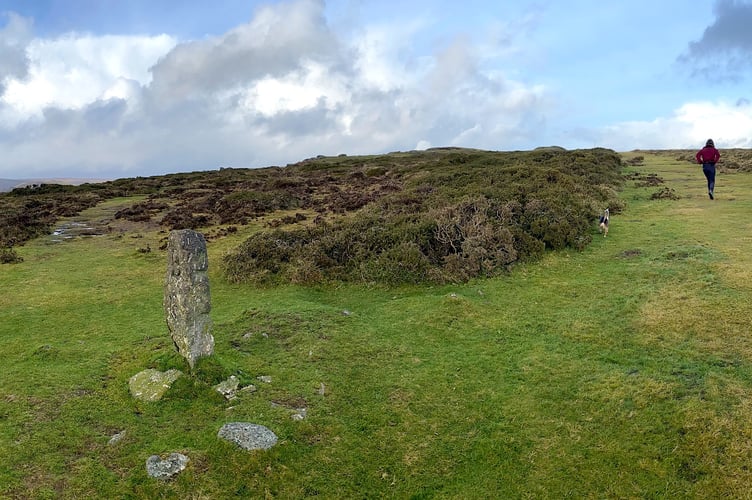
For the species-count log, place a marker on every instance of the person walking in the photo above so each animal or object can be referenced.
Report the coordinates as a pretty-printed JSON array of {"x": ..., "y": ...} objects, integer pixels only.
[{"x": 708, "y": 157}]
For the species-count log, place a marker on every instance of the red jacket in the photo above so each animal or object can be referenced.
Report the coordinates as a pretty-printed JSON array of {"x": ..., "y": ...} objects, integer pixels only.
[{"x": 708, "y": 154}]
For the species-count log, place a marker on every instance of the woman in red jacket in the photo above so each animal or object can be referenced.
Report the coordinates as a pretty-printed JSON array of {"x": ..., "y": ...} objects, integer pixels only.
[{"x": 708, "y": 156}]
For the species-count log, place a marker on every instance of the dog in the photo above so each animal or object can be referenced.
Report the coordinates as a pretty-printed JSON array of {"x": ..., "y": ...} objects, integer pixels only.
[{"x": 603, "y": 226}]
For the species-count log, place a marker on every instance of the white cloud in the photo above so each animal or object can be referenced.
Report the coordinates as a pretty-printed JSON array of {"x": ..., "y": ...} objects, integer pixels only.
[
  {"x": 13, "y": 40},
  {"x": 74, "y": 71},
  {"x": 730, "y": 126},
  {"x": 275, "y": 43},
  {"x": 383, "y": 56},
  {"x": 299, "y": 90},
  {"x": 277, "y": 89}
]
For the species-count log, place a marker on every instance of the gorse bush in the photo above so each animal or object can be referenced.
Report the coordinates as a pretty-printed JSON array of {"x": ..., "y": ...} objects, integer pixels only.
[
  {"x": 9, "y": 256},
  {"x": 450, "y": 216}
]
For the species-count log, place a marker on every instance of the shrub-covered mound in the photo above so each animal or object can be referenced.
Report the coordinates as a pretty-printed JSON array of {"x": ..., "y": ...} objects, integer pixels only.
[
  {"x": 442, "y": 215},
  {"x": 27, "y": 213}
]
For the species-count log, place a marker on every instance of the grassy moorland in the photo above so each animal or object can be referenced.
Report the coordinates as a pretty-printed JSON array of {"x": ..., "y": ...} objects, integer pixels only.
[{"x": 620, "y": 370}]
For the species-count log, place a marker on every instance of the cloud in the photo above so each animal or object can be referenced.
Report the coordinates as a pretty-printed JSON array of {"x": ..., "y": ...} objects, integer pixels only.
[
  {"x": 725, "y": 49},
  {"x": 277, "y": 41},
  {"x": 274, "y": 90},
  {"x": 76, "y": 70},
  {"x": 729, "y": 124},
  {"x": 14, "y": 38}
]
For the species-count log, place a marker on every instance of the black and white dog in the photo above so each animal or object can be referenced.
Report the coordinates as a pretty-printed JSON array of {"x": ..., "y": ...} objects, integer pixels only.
[{"x": 603, "y": 226}]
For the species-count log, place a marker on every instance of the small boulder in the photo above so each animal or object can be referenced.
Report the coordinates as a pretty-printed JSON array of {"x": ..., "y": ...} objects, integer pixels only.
[
  {"x": 165, "y": 469},
  {"x": 151, "y": 384},
  {"x": 229, "y": 387},
  {"x": 116, "y": 438},
  {"x": 248, "y": 436},
  {"x": 248, "y": 388}
]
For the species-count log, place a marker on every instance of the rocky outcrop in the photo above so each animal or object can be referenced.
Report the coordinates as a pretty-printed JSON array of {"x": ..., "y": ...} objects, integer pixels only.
[{"x": 187, "y": 300}]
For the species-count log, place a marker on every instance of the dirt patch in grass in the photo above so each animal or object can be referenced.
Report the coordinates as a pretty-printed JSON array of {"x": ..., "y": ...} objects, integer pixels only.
[
  {"x": 631, "y": 253},
  {"x": 665, "y": 193}
]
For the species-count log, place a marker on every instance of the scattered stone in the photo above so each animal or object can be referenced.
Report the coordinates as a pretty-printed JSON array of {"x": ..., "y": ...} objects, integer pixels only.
[
  {"x": 167, "y": 468},
  {"x": 228, "y": 388},
  {"x": 151, "y": 384},
  {"x": 294, "y": 405},
  {"x": 248, "y": 436},
  {"x": 248, "y": 388},
  {"x": 322, "y": 389},
  {"x": 187, "y": 301},
  {"x": 265, "y": 379},
  {"x": 346, "y": 313},
  {"x": 116, "y": 438},
  {"x": 251, "y": 334}
]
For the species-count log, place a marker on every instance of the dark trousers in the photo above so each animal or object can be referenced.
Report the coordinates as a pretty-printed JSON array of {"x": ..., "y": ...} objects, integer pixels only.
[{"x": 709, "y": 170}]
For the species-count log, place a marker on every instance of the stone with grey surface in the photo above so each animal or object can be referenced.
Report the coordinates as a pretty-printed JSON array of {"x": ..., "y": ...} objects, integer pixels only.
[{"x": 187, "y": 299}]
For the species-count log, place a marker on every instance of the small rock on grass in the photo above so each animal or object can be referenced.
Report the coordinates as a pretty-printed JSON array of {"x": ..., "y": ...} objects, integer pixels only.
[
  {"x": 248, "y": 436},
  {"x": 116, "y": 438},
  {"x": 229, "y": 387},
  {"x": 166, "y": 468},
  {"x": 151, "y": 385}
]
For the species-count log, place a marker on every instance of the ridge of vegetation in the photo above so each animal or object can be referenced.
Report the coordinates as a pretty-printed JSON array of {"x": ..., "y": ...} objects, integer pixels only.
[
  {"x": 442, "y": 215},
  {"x": 446, "y": 216}
]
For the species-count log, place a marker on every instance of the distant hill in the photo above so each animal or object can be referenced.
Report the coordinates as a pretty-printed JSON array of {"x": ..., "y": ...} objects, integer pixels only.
[{"x": 9, "y": 184}]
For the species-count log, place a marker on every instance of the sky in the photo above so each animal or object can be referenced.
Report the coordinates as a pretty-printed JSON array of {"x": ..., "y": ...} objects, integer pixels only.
[{"x": 122, "y": 88}]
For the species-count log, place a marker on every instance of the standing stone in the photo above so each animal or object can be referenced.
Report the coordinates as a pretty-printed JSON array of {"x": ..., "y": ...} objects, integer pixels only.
[{"x": 187, "y": 302}]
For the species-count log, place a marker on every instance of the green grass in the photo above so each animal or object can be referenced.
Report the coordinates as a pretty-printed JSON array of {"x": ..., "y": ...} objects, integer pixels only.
[{"x": 620, "y": 371}]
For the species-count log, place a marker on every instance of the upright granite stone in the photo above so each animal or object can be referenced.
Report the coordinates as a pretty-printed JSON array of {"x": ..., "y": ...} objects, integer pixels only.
[{"x": 187, "y": 302}]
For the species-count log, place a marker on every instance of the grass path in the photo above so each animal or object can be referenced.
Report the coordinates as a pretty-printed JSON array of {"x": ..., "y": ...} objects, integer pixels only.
[{"x": 621, "y": 371}]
